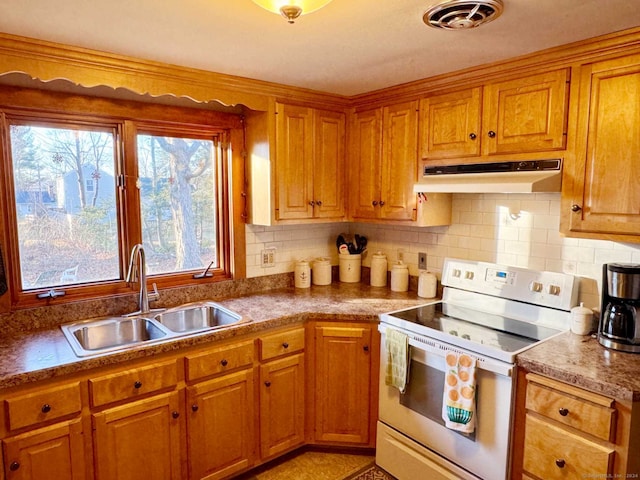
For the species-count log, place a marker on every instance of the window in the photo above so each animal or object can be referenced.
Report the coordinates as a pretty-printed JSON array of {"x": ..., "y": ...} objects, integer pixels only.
[{"x": 83, "y": 189}]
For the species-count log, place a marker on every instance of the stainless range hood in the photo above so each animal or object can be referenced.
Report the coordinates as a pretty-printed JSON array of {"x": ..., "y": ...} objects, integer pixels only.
[{"x": 501, "y": 177}]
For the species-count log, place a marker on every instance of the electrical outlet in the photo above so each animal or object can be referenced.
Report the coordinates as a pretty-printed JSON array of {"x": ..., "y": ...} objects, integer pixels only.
[
  {"x": 268, "y": 257},
  {"x": 422, "y": 261}
]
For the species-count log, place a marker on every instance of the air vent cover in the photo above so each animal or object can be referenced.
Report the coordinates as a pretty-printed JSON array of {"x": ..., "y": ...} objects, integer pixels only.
[{"x": 462, "y": 14}]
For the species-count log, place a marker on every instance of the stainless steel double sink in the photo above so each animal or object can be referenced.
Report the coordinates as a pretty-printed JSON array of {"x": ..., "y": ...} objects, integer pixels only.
[{"x": 102, "y": 335}]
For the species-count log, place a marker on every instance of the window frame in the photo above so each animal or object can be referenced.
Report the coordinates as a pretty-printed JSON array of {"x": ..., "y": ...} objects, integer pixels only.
[{"x": 127, "y": 118}]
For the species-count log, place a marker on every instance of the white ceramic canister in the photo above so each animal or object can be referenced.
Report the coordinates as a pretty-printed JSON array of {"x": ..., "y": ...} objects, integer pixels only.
[
  {"x": 399, "y": 277},
  {"x": 321, "y": 271},
  {"x": 427, "y": 284},
  {"x": 378, "y": 270},
  {"x": 581, "y": 320},
  {"x": 350, "y": 267},
  {"x": 302, "y": 274}
]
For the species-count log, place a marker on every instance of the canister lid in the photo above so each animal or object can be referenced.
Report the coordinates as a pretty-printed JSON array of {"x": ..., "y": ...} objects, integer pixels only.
[
  {"x": 379, "y": 256},
  {"x": 581, "y": 310},
  {"x": 400, "y": 266},
  {"x": 321, "y": 261}
]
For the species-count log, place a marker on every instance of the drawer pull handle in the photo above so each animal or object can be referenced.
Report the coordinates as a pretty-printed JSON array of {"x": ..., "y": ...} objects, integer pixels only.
[
  {"x": 564, "y": 412},
  {"x": 14, "y": 466},
  {"x": 137, "y": 385},
  {"x": 194, "y": 407},
  {"x": 560, "y": 463},
  {"x": 267, "y": 383},
  {"x": 285, "y": 345},
  {"x": 46, "y": 408},
  {"x": 224, "y": 362},
  {"x": 175, "y": 414}
]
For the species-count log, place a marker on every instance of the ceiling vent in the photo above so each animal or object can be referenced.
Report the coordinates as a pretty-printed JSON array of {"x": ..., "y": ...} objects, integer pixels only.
[{"x": 462, "y": 14}]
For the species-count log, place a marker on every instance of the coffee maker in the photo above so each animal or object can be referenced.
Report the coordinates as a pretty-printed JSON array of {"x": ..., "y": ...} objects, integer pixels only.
[{"x": 619, "y": 327}]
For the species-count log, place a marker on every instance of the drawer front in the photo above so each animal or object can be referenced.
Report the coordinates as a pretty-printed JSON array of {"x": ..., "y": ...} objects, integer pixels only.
[
  {"x": 281, "y": 343},
  {"x": 551, "y": 452},
  {"x": 588, "y": 417},
  {"x": 48, "y": 404},
  {"x": 219, "y": 360},
  {"x": 132, "y": 383}
]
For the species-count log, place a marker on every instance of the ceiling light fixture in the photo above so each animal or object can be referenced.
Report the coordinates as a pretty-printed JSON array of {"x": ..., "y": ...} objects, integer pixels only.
[{"x": 292, "y": 9}]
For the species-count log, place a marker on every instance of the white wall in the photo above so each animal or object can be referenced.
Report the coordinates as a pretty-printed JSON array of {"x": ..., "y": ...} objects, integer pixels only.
[{"x": 510, "y": 229}]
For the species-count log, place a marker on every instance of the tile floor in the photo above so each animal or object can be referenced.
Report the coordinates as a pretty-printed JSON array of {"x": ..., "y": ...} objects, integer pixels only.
[{"x": 311, "y": 465}]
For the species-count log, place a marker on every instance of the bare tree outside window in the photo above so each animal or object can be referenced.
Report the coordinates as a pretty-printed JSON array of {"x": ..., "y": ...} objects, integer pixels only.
[
  {"x": 178, "y": 202},
  {"x": 67, "y": 233}
]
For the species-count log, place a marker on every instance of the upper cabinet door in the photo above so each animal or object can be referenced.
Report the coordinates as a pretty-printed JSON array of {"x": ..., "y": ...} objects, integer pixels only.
[
  {"x": 399, "y": 161},
  {"x": 606, "y": 182},
  {"x": 294, "y": 162},
  {"x": 364, "y": 164},
  {"x": 328, "y": 166},
  {"x": 526, "y": 115},
  {"x": 450, "y": 125}
]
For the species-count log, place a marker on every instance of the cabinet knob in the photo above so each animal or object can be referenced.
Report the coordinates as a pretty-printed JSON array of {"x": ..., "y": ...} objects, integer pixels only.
[
  {"x": 175, "y": 414},
  {"x": 137, "y": 385},
  {"x": 224, "y": 362},
  {"x": 285, "y": 345},
  {"x": 312, "y": 203},
  {"x": 194, "y": 407},
  {"x": 267, "y": 383},
  {"x": 491, "y": 134},
  {"x": 560, "y": 463},
  {"x": 319, "y": 203},
  {"x": 46, "y": 408},
  {"x": 381, "y": 202},
  {"x": 374, "y": 203},
  {"x": 14, "y": 466},
  {"x": 473, "y": 136},
  {"x": 575, "y": 208},
  {"x": 366, "y": 348},
  {"x": 564, "y": 412}
]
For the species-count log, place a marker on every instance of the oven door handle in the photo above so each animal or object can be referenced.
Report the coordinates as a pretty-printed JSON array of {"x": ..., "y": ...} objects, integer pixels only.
[{"x": 504, "y": 369}]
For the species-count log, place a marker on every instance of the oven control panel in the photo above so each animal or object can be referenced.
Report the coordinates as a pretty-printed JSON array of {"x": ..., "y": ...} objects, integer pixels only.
[{"x": 548, "y": 289}]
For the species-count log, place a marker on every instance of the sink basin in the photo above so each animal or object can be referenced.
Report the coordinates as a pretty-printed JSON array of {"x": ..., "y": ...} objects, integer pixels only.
[
  {"x": 112, "y": 333},
  {"x": 102, "y": 335},
  {"x": 197, "y": 316}
]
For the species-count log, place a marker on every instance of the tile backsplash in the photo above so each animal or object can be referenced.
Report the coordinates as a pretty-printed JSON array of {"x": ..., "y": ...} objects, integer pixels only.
[{"x": 510, "y": 229}]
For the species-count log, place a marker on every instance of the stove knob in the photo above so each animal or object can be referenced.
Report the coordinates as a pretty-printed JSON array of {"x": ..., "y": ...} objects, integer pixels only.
[
  {"x": 456, "y": 272},
  {"x": 535, "y": 287},
  {"x": 468, "y": 275},
  {"x": 453, "y": 332},
  {"x": 554, "y": 290},
  {"x": 466, "y": 336}
]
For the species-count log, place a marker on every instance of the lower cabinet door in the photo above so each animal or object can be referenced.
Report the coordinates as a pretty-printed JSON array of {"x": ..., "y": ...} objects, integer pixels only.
[
  {"x": 221, "y": 426},
  {"x": 281, "y": 405},
  {"x": 139, "y": 440},
  {"x": 51, "y": 453}
]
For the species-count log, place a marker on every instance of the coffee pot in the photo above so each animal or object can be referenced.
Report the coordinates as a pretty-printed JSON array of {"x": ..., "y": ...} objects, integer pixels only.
[{"x": 619, "y": 326}]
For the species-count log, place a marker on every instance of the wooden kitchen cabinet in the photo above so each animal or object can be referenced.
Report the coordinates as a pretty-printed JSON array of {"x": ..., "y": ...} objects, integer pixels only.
[
  {"x": 571, "y": 433},
  {"x": 55, "y": 452},
  {"x": 345, "y": 386},
  {"x": 524, "y": 115},
  {"x": 282, "y": 395},
  {"x": 450, "y": 125},
  {"x": 601, "y": 187},
  {"x": 139, "y": 440},
  {"x": 220, "y": 425},
  {"x": 295, "y": 164},
  {"x": 383, "y": 169}
]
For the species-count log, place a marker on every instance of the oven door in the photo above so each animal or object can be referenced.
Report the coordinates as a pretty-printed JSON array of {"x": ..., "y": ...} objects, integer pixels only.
[{"x": 417, "y": 413}]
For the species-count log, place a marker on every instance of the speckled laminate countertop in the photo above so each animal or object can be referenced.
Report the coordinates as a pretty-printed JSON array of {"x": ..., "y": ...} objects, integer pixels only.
[
  {"x": 45, "y": 353},
  {"x": 583, "y": 362}
]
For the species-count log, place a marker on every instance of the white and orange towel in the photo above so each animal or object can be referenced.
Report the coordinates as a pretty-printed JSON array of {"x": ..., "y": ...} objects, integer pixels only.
[
  {"x": 397, "y": 347},
  {"x": 459, "y": 399}
]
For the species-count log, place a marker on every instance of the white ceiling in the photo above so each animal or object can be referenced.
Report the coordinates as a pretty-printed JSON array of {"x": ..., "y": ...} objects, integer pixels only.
[{"x": 348, "y": 47}]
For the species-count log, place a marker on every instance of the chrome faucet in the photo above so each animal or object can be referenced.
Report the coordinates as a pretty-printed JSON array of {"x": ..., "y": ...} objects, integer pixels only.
[{"x": 138, "y": 271}]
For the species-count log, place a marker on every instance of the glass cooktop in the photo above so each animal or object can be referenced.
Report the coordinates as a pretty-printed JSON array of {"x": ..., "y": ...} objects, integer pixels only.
[{"x": 451, "y": 322}]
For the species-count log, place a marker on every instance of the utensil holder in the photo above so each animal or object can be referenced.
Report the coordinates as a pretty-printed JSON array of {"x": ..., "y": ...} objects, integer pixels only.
[{"x": 350, "y": 268}]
